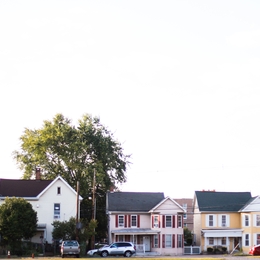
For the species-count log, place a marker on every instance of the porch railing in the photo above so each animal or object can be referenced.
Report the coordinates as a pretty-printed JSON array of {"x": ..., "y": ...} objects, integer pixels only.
[{"x": 192, "y": 250}]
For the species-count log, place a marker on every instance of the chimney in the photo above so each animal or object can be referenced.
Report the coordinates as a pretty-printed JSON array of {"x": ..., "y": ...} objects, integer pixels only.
[{"x": 38, "y": 173}]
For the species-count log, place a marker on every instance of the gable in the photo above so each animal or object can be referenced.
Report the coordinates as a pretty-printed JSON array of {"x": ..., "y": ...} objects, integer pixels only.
[
  {"x": 133, "y": 201},
  {"x": 221, "y": 201},
  {"x": 252, "y": 206},
  {"x": 168, "y": 205}
]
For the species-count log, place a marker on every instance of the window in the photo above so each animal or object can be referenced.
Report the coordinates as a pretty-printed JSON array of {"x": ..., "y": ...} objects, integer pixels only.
[
  {"x": 156, "y": 241},
  {"x": 121, "y": 222},
  {"x": 185, "y": 207},
  {"x": 121, "y": 238},
  {"x": 133, "y": 221},
  {"x": 168, "y": 240},
  {"x": 257, "y": 220},
  {"x": 179, "y": 221},
  {"x": 58, "y": 190},
  {"x": 156, "y": 221},
  {"x": 246, "y": 239},
  {"x": 185, "y": 225},
  {"x": 211, "y": 241},
  {"x": 56, "y": 210},
  {"x": 211, "y": 222},
  {"x": 179, "y": 240},
  {"x": 246, "y": 220},
  {"x": 223, "y": 241},
  {"x": 257, "y": 239},
  {"x": 168, "y": 221},
  {"x": 223, "y": 220}
]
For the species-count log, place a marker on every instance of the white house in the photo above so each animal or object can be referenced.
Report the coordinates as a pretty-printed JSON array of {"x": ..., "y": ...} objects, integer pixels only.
[{"x": 51, "y": 199}]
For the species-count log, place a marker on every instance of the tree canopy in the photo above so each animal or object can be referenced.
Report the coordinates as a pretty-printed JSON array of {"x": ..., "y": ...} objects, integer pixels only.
[
  {"x": 17, "y": 220},
  {"x": 73, "y": 152}
]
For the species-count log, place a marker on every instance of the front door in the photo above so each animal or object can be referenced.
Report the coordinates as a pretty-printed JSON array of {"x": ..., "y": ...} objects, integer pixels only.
[{"x": 146, "y": 242}]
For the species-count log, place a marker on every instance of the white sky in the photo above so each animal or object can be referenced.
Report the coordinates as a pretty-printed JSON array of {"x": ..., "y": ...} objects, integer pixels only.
[{"x": 176, "y": 81}]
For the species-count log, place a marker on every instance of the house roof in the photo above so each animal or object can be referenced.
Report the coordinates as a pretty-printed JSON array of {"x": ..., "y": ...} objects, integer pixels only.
[
  {"x": 222, "y": 201},
  {"x": 22, "y": 188},
  {"x": 133, "y": 201}
]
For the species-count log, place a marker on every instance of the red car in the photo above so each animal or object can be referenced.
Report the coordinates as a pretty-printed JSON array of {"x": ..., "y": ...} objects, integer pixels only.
[{"x": 255, "y": 250}]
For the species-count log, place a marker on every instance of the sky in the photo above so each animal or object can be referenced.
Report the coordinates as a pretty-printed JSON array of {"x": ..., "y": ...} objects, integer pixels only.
[{"x": 177, "y": 82}]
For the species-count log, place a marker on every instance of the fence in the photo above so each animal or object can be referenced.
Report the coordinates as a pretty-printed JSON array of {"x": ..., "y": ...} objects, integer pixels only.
[{"x": 192, "y": 250}]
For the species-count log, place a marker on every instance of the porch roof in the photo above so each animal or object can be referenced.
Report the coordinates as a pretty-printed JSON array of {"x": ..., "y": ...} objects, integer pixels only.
[
  {"x": 135, "y": 231},
  {"x": 221, "y": 232}
]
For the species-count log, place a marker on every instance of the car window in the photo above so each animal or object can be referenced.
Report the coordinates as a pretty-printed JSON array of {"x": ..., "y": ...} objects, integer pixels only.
[{"x": 70, "y": 243}]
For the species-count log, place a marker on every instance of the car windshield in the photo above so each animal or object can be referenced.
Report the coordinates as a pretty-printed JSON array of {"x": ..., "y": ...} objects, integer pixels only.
[{"x": 70, "y": 243}]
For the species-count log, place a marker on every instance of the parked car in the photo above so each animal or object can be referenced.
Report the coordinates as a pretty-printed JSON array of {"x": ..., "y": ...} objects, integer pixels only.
[
  {"x": 126, "y": 249},
  {"x": 70, "y": 247},
  {"x": 95, "y": 251},
  {"x": 255, "y": 250}
]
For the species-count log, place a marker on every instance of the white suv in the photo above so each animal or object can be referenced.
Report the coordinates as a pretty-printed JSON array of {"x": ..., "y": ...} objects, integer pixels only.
[{"x": 126, "y": 249}]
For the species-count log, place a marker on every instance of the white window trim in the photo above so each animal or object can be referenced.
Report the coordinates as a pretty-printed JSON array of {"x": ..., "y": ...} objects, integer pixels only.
[
  {"x": 170, "y": 240},
  {"x": 214, "y": 220},
  {"x": 244, "y": 220},
  {"x": 121, "y": 224},
  {"x": 135, "y": 220},
  {"x": 156, "y": 223},
  {"x": 244, "y": 240},
  {"x": 166, "y": 221}
]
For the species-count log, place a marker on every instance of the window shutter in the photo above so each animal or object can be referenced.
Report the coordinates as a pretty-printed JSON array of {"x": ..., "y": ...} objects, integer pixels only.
[
  {"x": 163, "y": 241},
  {"x": 159, "y": 221},
  {"x": 173, "y": 240},
  {"x": 125, "y": 220},
  {"x": 129, "y": 220},
  {"x": 138, "y": 221},
  {"x": 182, "y": 221},
  {"x": 152, "y": 221},
  {"x": 163, "y": 221},
  {"x": 159, "y": 240},
  {"x": 116, "y": 220},
  {"x": 173, "y": 221}
]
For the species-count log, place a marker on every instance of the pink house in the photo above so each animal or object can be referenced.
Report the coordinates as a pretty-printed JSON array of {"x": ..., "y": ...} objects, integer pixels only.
[{"x": 148, "y": 219}]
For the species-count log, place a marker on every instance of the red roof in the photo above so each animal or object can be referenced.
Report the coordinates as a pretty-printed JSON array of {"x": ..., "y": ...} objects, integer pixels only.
[{"x": 22, "y": 188}]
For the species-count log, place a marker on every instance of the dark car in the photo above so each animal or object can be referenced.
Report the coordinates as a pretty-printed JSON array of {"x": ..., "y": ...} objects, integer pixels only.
[
  {"x": 126, "y": 249},
  {"x": 255, "y": 250}
]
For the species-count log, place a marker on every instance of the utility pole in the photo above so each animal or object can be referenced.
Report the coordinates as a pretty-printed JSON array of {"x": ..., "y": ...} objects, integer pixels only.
[
  {"x": 77, "y": 213},
  {"x": 93, "y": 207}
]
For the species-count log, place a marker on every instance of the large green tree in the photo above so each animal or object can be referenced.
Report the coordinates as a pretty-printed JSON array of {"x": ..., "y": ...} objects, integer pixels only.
[
  {"x": 18, "y": 220},
  {"x": 73, "y": 152}
]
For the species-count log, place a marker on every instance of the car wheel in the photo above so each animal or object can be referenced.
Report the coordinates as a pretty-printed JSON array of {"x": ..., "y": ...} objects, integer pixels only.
[
  {"x": 128, "y": 254},
  {"x": 104, "y": 254},
  {"x": 77, "y": 256}
]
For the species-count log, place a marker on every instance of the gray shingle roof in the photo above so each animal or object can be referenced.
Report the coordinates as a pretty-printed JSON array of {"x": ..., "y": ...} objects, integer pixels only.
[
  {"x": 133, "y": 201},
  {"x": 22, "y": 188},
  {"x": 222, "y": 201}
]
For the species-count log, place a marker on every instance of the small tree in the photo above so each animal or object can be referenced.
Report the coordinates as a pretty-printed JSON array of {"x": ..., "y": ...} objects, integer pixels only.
[
  {"x": 18, "y": 221},
  {"x": 67, "y": 229},
  {"x": 187, "y": 236}
]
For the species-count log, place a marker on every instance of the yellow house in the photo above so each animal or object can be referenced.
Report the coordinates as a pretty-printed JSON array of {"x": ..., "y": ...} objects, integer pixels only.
[{"x": 219, "y": 218}]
